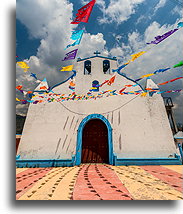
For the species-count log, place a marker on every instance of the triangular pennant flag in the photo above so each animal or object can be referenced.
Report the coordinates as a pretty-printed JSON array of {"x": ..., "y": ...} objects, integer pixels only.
[
  {"x": 135, "y": 56},
  {"x": 111, "y": 80},
  {"x": 33, "y": 75},
  {"x": 67, "y": 68},
  {"x": 179, "y": 64},
  {"x": 84, "y": 13},
  {"x": 76, "y": 35},
  {"x": 158, "y": 39},
  {"x": 70, "y": 55},
  {"x": 23, "y": 65}
]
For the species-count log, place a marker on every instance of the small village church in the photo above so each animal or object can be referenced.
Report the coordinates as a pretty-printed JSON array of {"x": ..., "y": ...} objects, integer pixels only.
[{"x": 98, "y": 127}]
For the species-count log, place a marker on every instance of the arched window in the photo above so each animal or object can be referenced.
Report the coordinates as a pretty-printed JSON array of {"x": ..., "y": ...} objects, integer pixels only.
[
  {"x": 87, "y": 67},
  {"x": 106, "y": 67},
  {"x": 95, "y": 85}
]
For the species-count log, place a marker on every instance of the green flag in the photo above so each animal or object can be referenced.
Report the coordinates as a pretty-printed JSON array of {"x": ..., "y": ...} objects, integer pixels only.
[{"x": 179, "y": 64}]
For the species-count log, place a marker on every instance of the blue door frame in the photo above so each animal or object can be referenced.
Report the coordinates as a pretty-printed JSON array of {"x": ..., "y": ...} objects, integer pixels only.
[{"x": 79, "y": 137}]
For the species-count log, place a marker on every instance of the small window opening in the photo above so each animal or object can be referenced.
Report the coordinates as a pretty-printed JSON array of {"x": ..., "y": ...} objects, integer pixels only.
[
  {"x": 106, "y": 67},
  {"x": 87, "y": 67}
]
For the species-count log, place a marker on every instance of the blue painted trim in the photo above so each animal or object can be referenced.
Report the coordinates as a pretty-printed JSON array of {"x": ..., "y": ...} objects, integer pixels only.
[
  {"x": 79, "y": 137},
  {"x": 146, "y": 161},
  {"x": 73, "y": 75},
  {"x": 128, "y": 78},
  {"x": 45, "y": 163},
  {"x": 79, "y": 59},
  {"x": 180, "y": 150}
]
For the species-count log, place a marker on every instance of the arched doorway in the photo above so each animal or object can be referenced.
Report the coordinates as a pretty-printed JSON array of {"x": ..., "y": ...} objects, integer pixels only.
[
  {"x": 95, "y": 142},
  {"x": 78, "y": 155}
]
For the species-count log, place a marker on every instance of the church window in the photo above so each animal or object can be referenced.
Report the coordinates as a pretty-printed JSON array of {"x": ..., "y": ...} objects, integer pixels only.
[
  {"x": 95, "y": 85},
  {"x": 106, "y": 67},
  {"x": 87, "y": 67}
]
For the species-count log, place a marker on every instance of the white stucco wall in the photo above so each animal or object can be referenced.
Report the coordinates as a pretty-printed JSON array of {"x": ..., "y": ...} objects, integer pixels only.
[{"x": 140, "y": 124}]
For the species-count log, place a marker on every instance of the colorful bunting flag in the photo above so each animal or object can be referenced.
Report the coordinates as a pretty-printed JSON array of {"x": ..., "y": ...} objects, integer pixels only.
[
  {"x": 118, "y": 69},
  {"x": 158, "y": 39},
  {"x": 84, "y": 13},
  {"x": 161, "y": 70},
  {"x": 19, "y": 87},
  {"x": 135, "y": 56},
  {"x": 147, "y": 75},
  {"x": 67, "y": 68},
  {"x": 72, "y": 85},
  {"x": 76, "y": 35},
  {"x": 143, "y": 94},
  {"x": 179, "y": 64},
  {"x": 70, "y": 55},
  {"x": 23, "y": 65},
  {"x": 122, "y": 90},
  {"x": 172, "y": 80},
  {"x": 111, "y": 80},
  {"x": 180, "y": 24},
  {"x": 43, "y": 87},
  {"x": 33, "y": 75}
]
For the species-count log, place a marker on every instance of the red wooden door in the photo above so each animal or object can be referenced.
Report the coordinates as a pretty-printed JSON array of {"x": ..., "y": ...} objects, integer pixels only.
[{"x": 95, "y": 142}]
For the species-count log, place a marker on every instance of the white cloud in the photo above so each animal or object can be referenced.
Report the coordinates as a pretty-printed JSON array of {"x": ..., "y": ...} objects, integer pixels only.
[
  {"x": 160, "y": 4},
  {"x": 49, "y": 21},
  {"x": 118, "y": 10},
  {"x": 178, "y": 10},
  {"x": 165, "y": 54}
]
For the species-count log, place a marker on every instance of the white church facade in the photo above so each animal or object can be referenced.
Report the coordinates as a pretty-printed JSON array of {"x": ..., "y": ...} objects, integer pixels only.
[{"x": 124, "y": 129}]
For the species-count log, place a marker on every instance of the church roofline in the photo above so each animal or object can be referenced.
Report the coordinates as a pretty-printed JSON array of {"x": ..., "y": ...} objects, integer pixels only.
[{"x": 111, "y": 58}]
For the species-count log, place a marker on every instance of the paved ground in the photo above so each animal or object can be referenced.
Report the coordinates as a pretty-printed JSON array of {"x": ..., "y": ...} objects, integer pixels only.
[{"x": 100, "y": 182}]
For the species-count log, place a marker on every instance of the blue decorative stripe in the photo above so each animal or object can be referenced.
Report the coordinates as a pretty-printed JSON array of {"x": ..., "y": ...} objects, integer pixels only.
[
  {"x": 45, "y": 163},
  {"x": 146, "y": 161},
  {"x": 79, "y": 137},
  {"x": 180, "y": 150}
]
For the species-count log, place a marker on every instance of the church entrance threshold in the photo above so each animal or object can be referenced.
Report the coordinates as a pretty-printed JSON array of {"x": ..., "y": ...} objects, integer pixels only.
[{"x": 95, "y": 142}]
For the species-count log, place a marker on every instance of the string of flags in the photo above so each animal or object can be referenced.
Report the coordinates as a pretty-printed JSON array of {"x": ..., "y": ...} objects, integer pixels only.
[
  {"x": 83, "y": 16},
  {"x": 157, "y": 40},
  {"x": 84, "y": 97},
  {"x": 54, "y": 97}
]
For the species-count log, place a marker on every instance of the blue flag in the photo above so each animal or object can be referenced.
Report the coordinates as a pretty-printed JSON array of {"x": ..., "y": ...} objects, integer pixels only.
[{"x": 76, "y": 35}]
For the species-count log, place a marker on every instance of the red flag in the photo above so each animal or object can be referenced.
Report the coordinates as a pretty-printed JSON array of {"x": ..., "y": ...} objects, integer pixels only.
[
  {"x": 19, "y": 87},
  {"x": 111, "y": 80},
  {"x": 84, "y": 13},
  {"x": 43, "y": 87},
  {"x": 122, "y": 90},
  {"x": 176, "y": 79}
]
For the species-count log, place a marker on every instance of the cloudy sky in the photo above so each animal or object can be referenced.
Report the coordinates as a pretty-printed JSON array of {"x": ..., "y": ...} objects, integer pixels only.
[{"x": 115, "y": 28}]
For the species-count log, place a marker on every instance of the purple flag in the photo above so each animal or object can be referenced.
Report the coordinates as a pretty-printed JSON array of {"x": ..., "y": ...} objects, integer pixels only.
[
  {"x": 70, "y": 55},
  {"x": 158, "y": 39}
]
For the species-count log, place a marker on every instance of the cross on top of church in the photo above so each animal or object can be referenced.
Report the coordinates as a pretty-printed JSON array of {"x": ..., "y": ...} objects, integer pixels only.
[{"x": 97, "y": 53}]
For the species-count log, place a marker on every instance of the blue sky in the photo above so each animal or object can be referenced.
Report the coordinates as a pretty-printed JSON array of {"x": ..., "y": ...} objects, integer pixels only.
[{"x": 115, "y": 28}]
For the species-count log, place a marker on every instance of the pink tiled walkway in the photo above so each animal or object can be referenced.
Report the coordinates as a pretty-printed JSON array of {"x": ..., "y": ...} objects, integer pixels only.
[{"x": 99, "y": 182}]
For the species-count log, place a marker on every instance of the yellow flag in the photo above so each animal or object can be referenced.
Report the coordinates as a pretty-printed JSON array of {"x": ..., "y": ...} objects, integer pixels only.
[
  {"x": 67, "y": 68},
  {"x": 17, "y": 99},
  {"x": 143, "y": 94},
  {"x": 146, "y": 75},
  {"x": 135, "y": 56},
  {"x": 23, "y": 65}
]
